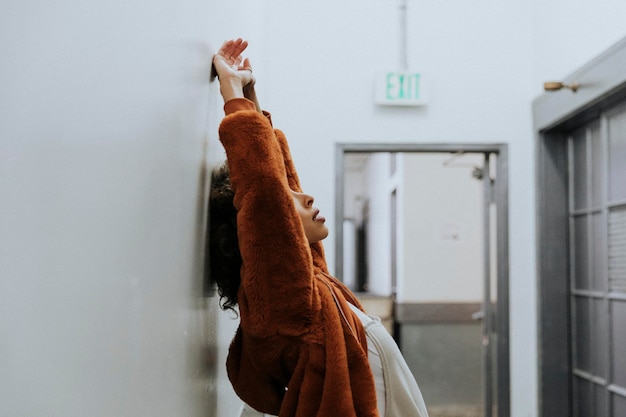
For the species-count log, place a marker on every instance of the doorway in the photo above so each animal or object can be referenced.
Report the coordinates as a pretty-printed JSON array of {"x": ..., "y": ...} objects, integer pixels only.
[{"x": 383, "y": 247}]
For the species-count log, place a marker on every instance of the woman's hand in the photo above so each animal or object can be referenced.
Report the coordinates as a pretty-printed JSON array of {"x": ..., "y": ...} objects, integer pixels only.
[{"x": 234, "y": 72}]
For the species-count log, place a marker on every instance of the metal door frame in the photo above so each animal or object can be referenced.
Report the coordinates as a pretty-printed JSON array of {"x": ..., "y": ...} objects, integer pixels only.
[
  {"x": 602, "y": 85},
  {"x": 499, "y": 196}
]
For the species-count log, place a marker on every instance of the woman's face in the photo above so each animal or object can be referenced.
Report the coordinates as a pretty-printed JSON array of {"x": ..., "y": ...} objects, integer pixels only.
[{"x": 314, "y": 226}]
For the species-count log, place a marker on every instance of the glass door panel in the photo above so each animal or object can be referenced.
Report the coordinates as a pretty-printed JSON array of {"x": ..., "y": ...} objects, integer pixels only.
[{"x": 597, "y": 218}]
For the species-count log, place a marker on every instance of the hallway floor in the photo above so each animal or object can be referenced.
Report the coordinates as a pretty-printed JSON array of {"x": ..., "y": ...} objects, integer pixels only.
[{"x": 455, "y": 411}]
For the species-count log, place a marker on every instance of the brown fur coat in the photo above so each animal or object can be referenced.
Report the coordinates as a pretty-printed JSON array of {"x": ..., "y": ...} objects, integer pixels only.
[{"x": 299, "y": 350}]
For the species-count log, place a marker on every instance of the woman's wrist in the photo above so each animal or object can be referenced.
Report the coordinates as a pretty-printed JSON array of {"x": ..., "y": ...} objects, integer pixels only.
[
  {"x": 250, "y": 93},
  {"x": 231, "y": 87}
]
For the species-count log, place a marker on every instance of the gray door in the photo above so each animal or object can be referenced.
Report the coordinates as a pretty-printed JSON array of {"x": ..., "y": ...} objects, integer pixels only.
[{"x": 597, "y": 277}]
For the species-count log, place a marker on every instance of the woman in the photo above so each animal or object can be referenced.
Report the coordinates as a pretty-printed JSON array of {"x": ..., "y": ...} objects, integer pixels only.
[{"x": 304, "y": 346}]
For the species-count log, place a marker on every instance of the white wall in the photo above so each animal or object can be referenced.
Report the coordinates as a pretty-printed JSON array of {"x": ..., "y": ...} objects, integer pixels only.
[
  {"x": 442, "y": 243},
  {"x": 102, "y": 141},
  {"x": 436, "y": 197},
  {"x": 567, "y": 34},
  {"x": 379, "y": 220}
]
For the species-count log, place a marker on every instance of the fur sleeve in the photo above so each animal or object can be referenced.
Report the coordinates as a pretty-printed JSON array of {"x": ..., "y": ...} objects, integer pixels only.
[{"x": 276, "y": 294}]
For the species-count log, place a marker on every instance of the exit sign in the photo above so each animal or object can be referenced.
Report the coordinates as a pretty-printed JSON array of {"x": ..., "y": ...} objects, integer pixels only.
[{"x": 400, "y": 88}]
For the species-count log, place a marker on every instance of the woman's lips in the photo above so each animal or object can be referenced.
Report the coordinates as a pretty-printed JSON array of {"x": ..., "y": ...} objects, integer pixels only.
[{"x": 317, "y": 217}]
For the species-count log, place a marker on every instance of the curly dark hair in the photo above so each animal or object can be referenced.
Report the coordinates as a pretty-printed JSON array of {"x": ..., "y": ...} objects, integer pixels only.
[{"x": 224, "y": 255}]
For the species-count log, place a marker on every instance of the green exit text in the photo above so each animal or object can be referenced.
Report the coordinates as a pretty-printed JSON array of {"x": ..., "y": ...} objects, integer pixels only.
[{"x": 402, "y": 86}]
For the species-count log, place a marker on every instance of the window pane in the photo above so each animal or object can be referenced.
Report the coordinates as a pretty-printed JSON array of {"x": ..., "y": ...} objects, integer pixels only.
[
  {"x": 581, "y": 253},
  {"x": 619, "y": 406},
  {"x": 618, "y": 334},
  {"x": 598, "y": 280},
  {"x": 617, "y": 156},
  {"x": 600, "y": 405},
  {"x": 600, "y": 338},
  {"x": 582, "y": 397},
  {"x": 617, "y": 249},
  {"x": 596, "y": 166},
  {"x": 580, "y": 169},
  {"x": 581, "y": 331}
]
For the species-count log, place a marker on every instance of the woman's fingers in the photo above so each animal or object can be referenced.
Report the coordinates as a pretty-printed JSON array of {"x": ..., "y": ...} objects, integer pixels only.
[
  {"x": 231, "y": 50},
  {"x": 246, "y": 65},
  {"x": 224, "y": 50},
  {"x": 239, "y": 46}
]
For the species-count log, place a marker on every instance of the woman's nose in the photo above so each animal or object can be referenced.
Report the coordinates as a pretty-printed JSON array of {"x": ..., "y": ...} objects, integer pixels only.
[{"x": 308, "y": 200}]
